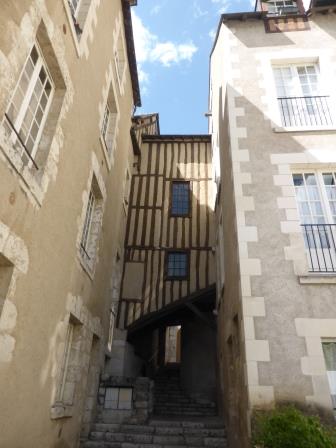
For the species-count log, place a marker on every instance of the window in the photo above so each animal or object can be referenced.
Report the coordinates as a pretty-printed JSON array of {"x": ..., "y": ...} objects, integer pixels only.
[
  {"x": 92, "y": 225},
  {"x": 282, "y": 7},
  {"x": 120, "y": 59},
  {"x": 71, "y": 363},
  {"x": 118, "y": 398},
  {"x": 109, "y": 123},
  {"x": 329, "y": 351},
  {"x": 316, "y": 199},
  {"x": 6, "y": 272},
  {"x": 299, "y": 96},
  {"x": 111, "y": 328},
  {"x": 177, "y": 265},
  {"x": 74, "y": 6},
  {"x": 79, "y": 10},
  {"x": 180, "y": 201},
  {"x": 28, "y": 109},
  {"x": 127, "y": 189}
]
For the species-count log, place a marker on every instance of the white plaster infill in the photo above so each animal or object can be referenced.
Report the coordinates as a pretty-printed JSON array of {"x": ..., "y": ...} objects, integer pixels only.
[{"x": 313, "y": 365}]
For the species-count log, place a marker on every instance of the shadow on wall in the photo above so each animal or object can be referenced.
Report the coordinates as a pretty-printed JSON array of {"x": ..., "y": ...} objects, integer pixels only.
[{"x": 284, "y": 372}]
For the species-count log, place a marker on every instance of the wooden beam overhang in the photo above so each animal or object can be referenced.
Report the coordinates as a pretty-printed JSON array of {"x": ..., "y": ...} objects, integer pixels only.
[
  {"x": 202, "y": 316},
  {"x": 205, "y": 297},
  {"x": 171, "y": 137}
]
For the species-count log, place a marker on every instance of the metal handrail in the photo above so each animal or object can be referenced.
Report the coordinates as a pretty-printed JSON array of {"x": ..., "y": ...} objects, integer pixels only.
[{"x": 21, "y": 141}]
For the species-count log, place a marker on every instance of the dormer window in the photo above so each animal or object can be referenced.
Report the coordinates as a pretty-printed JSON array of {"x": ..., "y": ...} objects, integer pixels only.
[{"x": 282, "y": 7}]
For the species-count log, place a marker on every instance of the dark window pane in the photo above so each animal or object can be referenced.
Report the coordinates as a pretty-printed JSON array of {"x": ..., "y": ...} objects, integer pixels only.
[
  {"x": 180, "y": 198},
  {"x": 177, "y": 265}
]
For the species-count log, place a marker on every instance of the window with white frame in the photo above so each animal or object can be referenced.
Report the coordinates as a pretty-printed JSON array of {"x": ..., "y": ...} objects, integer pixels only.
[
  {"x": 79, "y": 11},
  {"x": 120, "y": 58},
  {"x": 127, "y": 185},
  {"x": 316, "y": 199},
  {"x": 109, "y": 123},
  {"x": 74, "y": 6},
  {"x": 220, "y": 254},
  {"x": 27, "y": 112},
  {"x": 111, "y": 329},
  {"x": 71, "y": 363},
  {"x": 92, "y": 225},
  {"x": 282, "y": 7},
  {"x": 118, "y": 398},
  {"x": 300, "y": 97},
  {"x": 329, "y": 351}
]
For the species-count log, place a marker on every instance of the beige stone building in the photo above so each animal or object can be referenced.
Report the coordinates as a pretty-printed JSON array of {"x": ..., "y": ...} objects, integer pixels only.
[
  {"x": 272, "y": 93},
  {"x": 68, "y": 87},
  {"x": 154, "y": 288}
]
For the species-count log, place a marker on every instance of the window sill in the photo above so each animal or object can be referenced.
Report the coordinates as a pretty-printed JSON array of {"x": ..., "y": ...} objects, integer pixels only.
[
  {"x": 318, "y": 279},
  {"x": 61, "y": 410},
  {"x": 281, "y": 130},
  {"x": 24, "y": 171}
]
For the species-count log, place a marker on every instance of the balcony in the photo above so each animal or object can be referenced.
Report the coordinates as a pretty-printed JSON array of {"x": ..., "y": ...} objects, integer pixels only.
[
  {"x": 305, "y": 111},
  {"x": 286, "y": 10},
  {"x": 320, "y": 246}
]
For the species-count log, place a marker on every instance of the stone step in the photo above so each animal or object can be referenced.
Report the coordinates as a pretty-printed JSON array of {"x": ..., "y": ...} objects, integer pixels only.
[
  {"x": 212, "y": 423},
  {"x": 100, "y": 444},
  {"x": 186, "y": 413},
  {"x": 147, "y": 439},
  {"x": 159, "y": 430}
]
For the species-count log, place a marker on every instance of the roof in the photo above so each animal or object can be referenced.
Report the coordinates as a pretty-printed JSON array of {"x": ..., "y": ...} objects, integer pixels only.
[
  {"x": 178, "y": 137},
  {"x": 126, "y": 6}
]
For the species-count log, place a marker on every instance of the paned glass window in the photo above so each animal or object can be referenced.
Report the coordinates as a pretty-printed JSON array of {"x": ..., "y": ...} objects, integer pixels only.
[
  {"x": 281, "y": 7},
  {"x": 87, "y": 225},
  {"x": 329, "y": 351},
  {"x": 109, "y": 123},
  {"x": 118, "y": 398},
  {"x": 74, "y": 6},
  {"x": 180, "y": 202},
  {"x": 27, "y": 112},
  {"x": 177, "y": 265}
]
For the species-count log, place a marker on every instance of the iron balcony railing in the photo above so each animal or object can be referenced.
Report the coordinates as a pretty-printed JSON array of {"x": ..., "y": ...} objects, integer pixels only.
[
  {"x": 307, "y": 111},
  {"x": 321, "y": 248}
]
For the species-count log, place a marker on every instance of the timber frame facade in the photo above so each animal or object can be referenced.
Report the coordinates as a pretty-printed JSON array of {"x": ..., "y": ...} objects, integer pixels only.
[{"x": 152, "y": 231}]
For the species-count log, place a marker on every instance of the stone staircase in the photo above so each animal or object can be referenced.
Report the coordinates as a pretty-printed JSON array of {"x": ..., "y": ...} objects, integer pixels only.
[
  {"x": 171, "y": 400},
  {"x": 158, "y": 433},
  {"x": 178, "y": 422}
]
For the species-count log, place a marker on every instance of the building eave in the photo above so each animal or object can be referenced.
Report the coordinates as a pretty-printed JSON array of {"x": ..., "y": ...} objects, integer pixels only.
[
  {"x": 126, "y": 6},
  {"x": 206, "y": 138}
]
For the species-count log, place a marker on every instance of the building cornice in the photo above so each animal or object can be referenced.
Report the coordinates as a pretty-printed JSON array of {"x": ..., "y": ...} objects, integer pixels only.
[{"x": 126, "y": 6}]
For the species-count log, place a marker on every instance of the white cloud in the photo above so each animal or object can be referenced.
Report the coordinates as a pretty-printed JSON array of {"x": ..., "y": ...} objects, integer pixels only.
[
  {"x": 212, "y": 33},
  {"x": 156, "y": 9},
  {"x": 149, "y": 48},
  {"x": 223, "y": 5},
  {"x": 198, "y": 11}
]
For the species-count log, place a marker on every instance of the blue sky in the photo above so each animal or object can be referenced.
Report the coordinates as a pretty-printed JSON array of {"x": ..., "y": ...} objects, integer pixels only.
[{"x": 173, "y": 40}]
